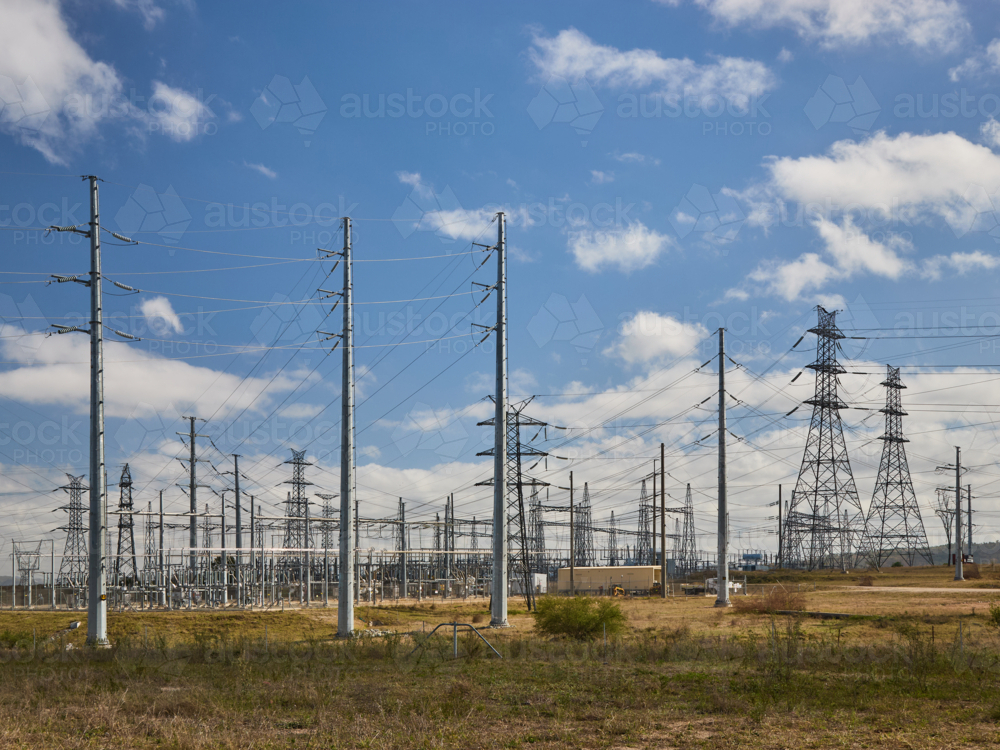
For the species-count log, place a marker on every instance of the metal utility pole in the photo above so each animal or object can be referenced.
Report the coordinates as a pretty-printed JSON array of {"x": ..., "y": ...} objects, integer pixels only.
[
  {"x": 97, "y": 601},
  {"x": 239, "y": 512},
  {"x": 968, "y": 499},
  {"x": 572, "y": 537},
  {"x": 722, "y": 580},
  {"x": 164, "y": 584},
  {"x": 193, "y": 490},
  {"x": 402, "y": 545},
  {"x": 498, "y": 614},
  {"x": 779, "y": 527},
  {"x": 345, "y": 588},
  {"x": 959, "y": 576},
  {"x": 663, "y": 526}
]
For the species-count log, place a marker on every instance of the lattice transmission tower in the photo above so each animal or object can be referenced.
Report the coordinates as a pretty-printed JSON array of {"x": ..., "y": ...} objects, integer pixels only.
[
  {"x": 519, "y": 557},
  {"x": 894, "y": 523},
  {"x": 149, "y": 541},
  {"x": 825, "y": 525},
  {"x": 126, "y": 568},
  {"x": 613, "y": 555},
  {"x": 295, "y": 508},
  {"x": 73, "y": 567},
  {"x": 328, "y": 535},
  {"x": 688, "y": 544},
  {"x": 583, "y": 533},
  {"x": 644, "y": 540},
  {"x": 536, "y": 533}
]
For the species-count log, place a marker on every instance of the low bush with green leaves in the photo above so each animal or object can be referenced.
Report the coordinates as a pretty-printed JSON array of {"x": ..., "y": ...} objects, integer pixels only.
[{"x": 578, "y": 616}]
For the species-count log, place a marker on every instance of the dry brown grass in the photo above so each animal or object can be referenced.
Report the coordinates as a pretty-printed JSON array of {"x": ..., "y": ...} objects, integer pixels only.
[
  {"x": 777, "y": 599},
  {"x": 687, "y": 675}
]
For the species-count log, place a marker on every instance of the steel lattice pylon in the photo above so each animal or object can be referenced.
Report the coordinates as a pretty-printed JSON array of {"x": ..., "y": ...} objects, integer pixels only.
[
  {"x": 295, "y": 508},
  {"x": 73, "y": 568},
  {"x": 206, "y": 539},
  {"x": 583, "y": 533},
  {"x": 149, "y": 541},
  {"x": 126, "y": 566},
  {"x": 613, "y": 540},
  {"x": 825, "y": 525},
  {"x": 328, "y": 535},
  {"x": 894, "y": 523},
  {"x": 644, "y": 541},
  {"x": 688, "y": 544},
  {"x": 519, "y": 561},
  {"x": 536, "y": 532}
]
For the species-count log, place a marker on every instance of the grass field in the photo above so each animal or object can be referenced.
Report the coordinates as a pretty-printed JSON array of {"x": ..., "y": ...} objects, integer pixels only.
[{"x": 917, "y": 664}]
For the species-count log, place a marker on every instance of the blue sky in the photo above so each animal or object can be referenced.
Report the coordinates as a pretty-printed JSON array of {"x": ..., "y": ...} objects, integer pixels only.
[{"x": 665, "y": 170}]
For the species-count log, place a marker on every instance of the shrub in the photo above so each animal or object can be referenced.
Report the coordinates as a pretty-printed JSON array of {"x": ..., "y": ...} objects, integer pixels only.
[
  {"x": 775, "y": 600},
  {"x": 897, "y": 564},
  {"x": 577, "y": 616},
  {"x": 994, "y": 618},
  {"x": 971, "y": 570}
]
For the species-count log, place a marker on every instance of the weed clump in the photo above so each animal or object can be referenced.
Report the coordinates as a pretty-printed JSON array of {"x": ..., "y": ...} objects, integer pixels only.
[
  {"x": 778, "y": 599},
  {"x": 578, "y": 616}
]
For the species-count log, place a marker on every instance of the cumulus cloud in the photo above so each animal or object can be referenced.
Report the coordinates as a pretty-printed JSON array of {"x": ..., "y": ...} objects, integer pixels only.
[
  {"x": 960, "y": 263},
  {"x": 57, "y": 375},
  {"x": 160, "y": 316},
  {"x": 48, "y": 79},
  {"x": 625, "y": 249},
  {"x": 938, "y": 25},
  {"x": 983, "y": 62},
  {"x": 598, "y": 177},
  {"x": 54, "y": 95},
  {"x": 573, "y": 55},
  {"x": 649, "y": 337},
  {"x": 175, "y": 113}
]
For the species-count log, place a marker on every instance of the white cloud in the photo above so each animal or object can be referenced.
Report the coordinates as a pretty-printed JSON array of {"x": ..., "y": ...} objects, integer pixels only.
[
  {"x": 51, "y": 80},
  {"x": 852, "y": 253},
  {"x": 885, "y": 182},
  {"x": 58, "y": 375},
  {"x": 785, "y": 56},
  {"x": 267, "y": 172},
  {"x": 855, "y": 252},
  {"x": 598, "y": 177},
  {"x": 990, "y": 131},
  {"x": 300, "y": 411},
  {"x": 160, "y": 316},
  {"x": 648, "y": 337},
  {"x": 909, "y": 177},
  {"x": 571, "y": 54},
  {"x": 961, "y": 263},
  {"x": 627, "y": 250},
  {"x": 926, "y": 24},
  {"x": 982, "y": 62},
  {"x": 792, "y": 279},
  {"x": 634, "y": 157},
  {"x": 412, "y": 179},
  {"x": 151, "y": 13},
  {"x": 54, "y": 96},
  {"x": 175, "y": 113}
]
